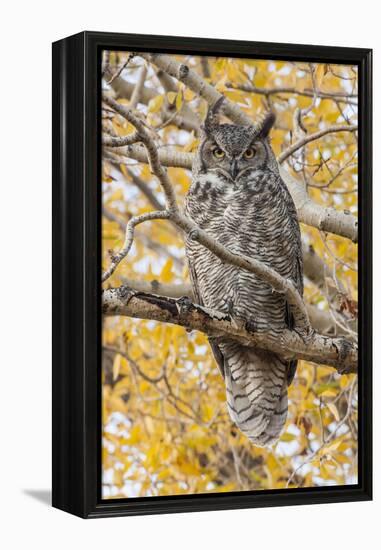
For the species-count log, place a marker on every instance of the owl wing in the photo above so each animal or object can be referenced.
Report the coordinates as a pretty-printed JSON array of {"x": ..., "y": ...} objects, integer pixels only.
[
  {"x": 194, "y": 281},
  {"x": 297, "y": 276},
  {"x": 218, "y": 356},
  {"x": 197, "y": 296}
]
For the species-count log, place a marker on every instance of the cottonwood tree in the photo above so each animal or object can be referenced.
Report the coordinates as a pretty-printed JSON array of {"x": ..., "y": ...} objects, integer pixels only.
[{"x": 166, "y": 428}]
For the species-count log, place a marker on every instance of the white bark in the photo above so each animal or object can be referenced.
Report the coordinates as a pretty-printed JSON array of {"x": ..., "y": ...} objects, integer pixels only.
[{"x": 336, "y": 352}]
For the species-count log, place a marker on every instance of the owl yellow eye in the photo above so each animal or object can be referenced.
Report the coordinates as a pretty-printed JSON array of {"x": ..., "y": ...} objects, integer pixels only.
[
  {"x": 218, "y": 153},
  {"x": 249, "y": 153}
]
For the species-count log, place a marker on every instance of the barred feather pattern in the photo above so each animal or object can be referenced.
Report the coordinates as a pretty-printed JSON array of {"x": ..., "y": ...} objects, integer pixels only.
[{"x": 254, "y": 216}]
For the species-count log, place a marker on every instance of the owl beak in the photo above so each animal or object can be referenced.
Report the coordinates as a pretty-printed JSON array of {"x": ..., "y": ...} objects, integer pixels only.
[{"x": 234, "y": 169}]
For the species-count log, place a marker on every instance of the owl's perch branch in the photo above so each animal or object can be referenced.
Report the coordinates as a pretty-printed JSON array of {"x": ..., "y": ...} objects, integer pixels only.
[
  {"x": 336, "y": 352},
  {"x": 321, "y": 320}
]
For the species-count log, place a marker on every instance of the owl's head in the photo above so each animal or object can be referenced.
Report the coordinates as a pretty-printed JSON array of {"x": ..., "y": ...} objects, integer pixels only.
[{"x": 233, "y": 151}]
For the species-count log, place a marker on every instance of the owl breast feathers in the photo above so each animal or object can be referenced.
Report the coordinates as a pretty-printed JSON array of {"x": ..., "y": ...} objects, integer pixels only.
[{"x": 239, "y": 198}]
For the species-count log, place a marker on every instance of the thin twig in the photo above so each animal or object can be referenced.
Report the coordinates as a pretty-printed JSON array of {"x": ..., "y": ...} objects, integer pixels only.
[{"x": 313, "y": 137}]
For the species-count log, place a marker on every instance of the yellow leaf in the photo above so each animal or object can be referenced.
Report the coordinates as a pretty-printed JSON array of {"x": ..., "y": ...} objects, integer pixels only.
[
  {"x": 171, "y": 97},
  {"x": 117, "y": 196},
  {"x": 155, "y": 104},
  {"x": 166, "y": 272},
  {"x": 179, "y": 101},
  {"x": 116, "y": 366},
  {"x": 135, "y": 435},
  {"x": 189, "y": 469},
  {"x": 188, "y": 94},
  {"x": 287, "y": 437},
  {"x": 220, "y": 64},
  {"x": 344, "y": 381},
  {"x": 328, "y": 393},
  {"x": 234, "y": 96},
  {"x": 332, "y": 407},
  {"x": 118, "y": 478}
]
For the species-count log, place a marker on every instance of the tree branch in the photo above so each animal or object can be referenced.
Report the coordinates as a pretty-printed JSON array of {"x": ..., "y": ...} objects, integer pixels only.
[
  {"x": 186, "y": 119},
  {"x": 155, "y": 246},
  {"x": 129, "y": 237},
  {"x": 190, "y": 78},
  {"x": 120, "y": 141},
  {"x": 150, "y": 146},
  {"x": 336, "y": 352},
  {"x": 326, "y": 219},
  {"x": 313, "y": 137},
  {"x": 321, "y": 320},
  {"x": 137, "y": 93},
  {"x": 335, "y": 96}
]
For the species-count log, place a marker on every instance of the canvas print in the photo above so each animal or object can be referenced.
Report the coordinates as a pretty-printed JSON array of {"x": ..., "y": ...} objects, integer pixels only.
[{"x": 229, "y": 274}]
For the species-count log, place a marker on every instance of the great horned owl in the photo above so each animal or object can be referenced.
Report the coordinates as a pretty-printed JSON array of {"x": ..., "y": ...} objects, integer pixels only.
[{"x": 238, "y": 197}]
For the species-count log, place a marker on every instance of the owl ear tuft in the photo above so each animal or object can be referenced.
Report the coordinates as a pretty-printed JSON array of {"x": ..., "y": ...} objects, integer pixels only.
[
  {"x": 264, "y": 126},
  {"x": 211, "y": 119}
]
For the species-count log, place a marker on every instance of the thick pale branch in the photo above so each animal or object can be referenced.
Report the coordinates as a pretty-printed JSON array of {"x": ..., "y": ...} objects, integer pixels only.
[
  {"x": 320, "y": 320},
  {"x": 167, "y": 157},
  {"x": 137, "y": 93},
  {"x": 176, "y": 290},
  {"x": 336, "y": 352},
  {"x": 330, "y": 220},
  {"x": 186, "y": 119},
  {"x": 194, "y": 82}
]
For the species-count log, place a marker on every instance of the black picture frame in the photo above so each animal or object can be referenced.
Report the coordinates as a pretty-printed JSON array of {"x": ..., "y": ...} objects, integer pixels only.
[{"x": 77, "y": 287}]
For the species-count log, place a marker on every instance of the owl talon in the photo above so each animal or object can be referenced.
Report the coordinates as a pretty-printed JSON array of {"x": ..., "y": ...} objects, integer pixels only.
[
  {"x": 251, "y": 325},
  {"x": 304, "y": 335}
]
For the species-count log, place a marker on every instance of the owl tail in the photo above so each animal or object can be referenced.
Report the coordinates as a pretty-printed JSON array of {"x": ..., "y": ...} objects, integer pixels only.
[{"x": 256, "y": 391}]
